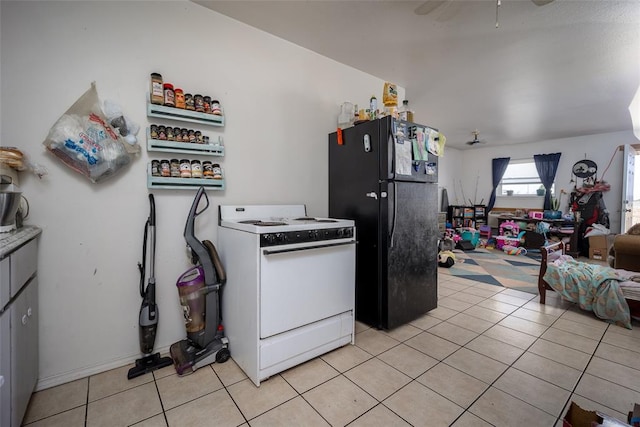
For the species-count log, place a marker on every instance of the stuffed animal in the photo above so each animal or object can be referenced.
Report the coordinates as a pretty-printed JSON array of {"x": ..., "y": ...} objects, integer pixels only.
[{"x": 446, "y": 259}]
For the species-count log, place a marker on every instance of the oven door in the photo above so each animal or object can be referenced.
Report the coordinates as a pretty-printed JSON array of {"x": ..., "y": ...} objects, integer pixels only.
[{"x": 303, "y": 283}]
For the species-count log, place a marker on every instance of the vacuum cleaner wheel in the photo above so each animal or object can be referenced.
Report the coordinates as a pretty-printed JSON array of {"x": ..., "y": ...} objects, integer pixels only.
[{"x": 223, "y": 355}]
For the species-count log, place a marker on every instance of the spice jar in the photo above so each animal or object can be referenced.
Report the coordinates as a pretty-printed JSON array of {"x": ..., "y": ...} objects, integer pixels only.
[
  {"x": 155, "y": 168},
  {"x": 185, "y": 168},
  {"x": 215, "y": 107},
  {"x": 156, "y": 90},
  {"x": 217, "y": 171},
  {"x": 153, "y": 132},
  {"x": 198, "y": 102},
  {"x": 175, "y": 168},
  {"x": 196, "y": 169},
  {"x": 165, "y": 168},
  {"x": 170, "y": 135},
  {"x": 207, "y": 104},
  {"x": 207, "y": 169},
  {"x": 199, "y": 139},
  {"x": 185, "y": 135},
  {"x": 162, "y": 132},
  {"x": 192, "y": 136},
  {"x": 179, "y": 98},
  {"x": 188, "y": 102},
  {"x": 178, "y": 133},
  {"x": 169, "y": 95}
]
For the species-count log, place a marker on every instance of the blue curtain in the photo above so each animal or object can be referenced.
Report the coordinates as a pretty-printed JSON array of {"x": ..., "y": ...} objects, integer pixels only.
[
  {"x": 498, "y": 167},
  {"x": 547, "y": 166}
]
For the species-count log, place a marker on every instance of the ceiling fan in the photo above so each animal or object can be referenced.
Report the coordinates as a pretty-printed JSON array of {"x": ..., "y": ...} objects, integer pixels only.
[
  {"x": 430, "y": 5},
  {"x": 475, "y": 139}
]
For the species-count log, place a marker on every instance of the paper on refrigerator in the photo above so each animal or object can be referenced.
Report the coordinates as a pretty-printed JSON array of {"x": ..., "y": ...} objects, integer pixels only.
[{"x": 403, "y": 156}]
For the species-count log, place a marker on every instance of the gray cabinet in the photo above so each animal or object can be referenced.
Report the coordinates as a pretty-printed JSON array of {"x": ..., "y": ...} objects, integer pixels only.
[{"x": 19, "y": 332}]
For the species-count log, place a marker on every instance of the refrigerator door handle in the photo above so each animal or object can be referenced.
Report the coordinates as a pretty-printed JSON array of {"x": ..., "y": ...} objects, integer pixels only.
[
  {"x": 395, "y": 213},
  {"x": 392, "y": 144}
]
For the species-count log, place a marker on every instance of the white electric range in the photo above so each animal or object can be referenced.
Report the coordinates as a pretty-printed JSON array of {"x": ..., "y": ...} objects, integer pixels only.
[{"x": 290, "y": 291}]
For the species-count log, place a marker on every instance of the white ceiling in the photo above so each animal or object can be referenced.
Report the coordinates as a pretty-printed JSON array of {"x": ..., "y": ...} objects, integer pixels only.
[{"x": 565, "y": 69}]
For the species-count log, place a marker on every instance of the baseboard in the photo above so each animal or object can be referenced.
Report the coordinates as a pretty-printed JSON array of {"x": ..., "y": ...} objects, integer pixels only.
[{"x": 55, "y": 380}]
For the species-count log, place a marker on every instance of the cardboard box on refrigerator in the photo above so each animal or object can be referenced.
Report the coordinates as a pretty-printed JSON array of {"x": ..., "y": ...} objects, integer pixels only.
[{"x": 599, "y": 246}]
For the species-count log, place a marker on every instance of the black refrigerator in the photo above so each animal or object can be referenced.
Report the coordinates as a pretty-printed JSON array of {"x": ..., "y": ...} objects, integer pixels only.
[{"x": 382, "y": 175}]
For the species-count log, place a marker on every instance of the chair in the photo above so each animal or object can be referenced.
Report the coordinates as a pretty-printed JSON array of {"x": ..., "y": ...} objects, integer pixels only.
[
  {"x": 485, "y": 231},
  {"x": 626, "y": 248}
]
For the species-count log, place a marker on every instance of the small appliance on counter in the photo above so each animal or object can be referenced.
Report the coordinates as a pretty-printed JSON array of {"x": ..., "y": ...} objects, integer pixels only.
[{"x": 10, "y": 198}]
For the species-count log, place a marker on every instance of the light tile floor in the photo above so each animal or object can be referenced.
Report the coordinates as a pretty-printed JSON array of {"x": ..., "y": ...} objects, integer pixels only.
[{"x": 486, "y": 356}]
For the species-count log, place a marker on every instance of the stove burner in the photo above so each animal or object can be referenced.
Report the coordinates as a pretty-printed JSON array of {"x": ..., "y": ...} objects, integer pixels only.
[
  {"x": 261, "y": 223},
  {"x": 311, "y": 219}
]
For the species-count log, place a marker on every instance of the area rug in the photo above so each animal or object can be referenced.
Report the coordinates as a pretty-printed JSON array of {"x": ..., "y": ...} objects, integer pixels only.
[{"x": 494, "y": 267}]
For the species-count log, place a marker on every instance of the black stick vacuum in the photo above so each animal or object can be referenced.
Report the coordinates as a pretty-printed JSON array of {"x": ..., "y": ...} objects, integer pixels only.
[{"x": 148, "y": 317}]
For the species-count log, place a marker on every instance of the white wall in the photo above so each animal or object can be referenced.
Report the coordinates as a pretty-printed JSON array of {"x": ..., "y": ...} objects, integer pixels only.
[
  {"x": 280, "y": 101},
  {"x": 600, "y": 148},
  {"x": 449, "y": 166}
]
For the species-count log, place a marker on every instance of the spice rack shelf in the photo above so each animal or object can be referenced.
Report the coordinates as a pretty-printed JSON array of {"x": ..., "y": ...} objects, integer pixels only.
[
  {"x": 171, "y": 113},
  {"x": 183, "y": 147},
  {"x": 170, "y": 183}
]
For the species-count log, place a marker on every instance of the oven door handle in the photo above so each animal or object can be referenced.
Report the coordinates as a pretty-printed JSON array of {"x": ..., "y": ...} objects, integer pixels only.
[{"x": 281, "y": 251}]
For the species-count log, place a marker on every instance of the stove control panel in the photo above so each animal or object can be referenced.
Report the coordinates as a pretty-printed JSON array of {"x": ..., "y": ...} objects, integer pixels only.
[{"x": 305, "y": 236}]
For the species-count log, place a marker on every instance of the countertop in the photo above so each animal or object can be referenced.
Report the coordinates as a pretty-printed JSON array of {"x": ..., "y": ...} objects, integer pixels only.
[{"x": 12, "y": 240}]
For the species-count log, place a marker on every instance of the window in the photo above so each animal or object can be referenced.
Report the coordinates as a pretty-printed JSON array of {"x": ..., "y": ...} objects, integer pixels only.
[{"x": 520, "y": 179}]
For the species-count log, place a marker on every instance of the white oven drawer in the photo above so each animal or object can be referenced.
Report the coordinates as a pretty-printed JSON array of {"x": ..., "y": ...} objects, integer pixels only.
[
  {"x": 299, "y": 286},
  {"x": 291, "y": 348}
]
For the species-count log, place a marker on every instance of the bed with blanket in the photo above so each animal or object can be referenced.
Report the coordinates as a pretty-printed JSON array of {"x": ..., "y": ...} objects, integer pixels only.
[{"x": 608, "y": 292}]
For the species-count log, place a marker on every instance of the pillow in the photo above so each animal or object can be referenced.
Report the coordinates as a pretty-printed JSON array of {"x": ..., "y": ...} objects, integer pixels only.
[{"x": 552, "y": 256}]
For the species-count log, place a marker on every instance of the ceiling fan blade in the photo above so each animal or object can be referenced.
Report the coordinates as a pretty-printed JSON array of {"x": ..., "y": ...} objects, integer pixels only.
[
  {"x": 449, "y": 11},
  {"x": 541, "y": 2},
  {"x": 428, "y": 6}
]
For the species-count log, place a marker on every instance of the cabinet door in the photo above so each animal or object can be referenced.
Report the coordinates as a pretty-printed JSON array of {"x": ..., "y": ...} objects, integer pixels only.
[
  {"x": 5, "y": 369},
  {"x": 33, "y": 314},
  {"x": 24, "y": 348}
]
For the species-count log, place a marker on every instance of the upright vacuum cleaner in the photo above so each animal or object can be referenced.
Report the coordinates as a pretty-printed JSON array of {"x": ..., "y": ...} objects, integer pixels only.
[
  {"x": 148, "y": 317},
  {"x": 200, "y": 291}
]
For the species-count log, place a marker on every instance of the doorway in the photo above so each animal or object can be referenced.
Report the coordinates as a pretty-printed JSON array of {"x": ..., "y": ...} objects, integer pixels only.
[{"x": 630, "y": 214}]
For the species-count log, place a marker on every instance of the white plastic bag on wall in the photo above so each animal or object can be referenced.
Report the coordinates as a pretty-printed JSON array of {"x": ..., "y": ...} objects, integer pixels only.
[{"x": 83, "y": 140}]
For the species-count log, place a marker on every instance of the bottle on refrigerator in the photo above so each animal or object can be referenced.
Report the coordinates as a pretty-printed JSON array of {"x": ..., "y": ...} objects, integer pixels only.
[{"x": 405, "y": 112}]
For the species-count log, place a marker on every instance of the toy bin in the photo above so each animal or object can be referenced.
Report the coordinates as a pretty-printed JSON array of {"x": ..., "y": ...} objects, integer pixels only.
[{"x": 472, "y": 235}]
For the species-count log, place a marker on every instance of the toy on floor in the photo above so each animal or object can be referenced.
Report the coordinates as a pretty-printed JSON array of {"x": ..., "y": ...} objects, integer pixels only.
[
  {"x": 509, "y": 229},
  {"x": 446, "y": 244},
  {"x": 513, "y": 250},
  {"x": 491, "y": 243},
  {"x": 446, "y": 259}
]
